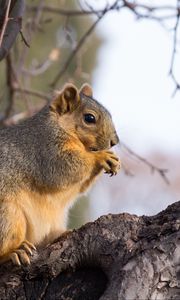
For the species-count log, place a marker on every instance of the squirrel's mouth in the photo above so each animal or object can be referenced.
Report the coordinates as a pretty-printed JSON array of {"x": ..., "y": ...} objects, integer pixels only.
[{"x": 93, "y": 149}]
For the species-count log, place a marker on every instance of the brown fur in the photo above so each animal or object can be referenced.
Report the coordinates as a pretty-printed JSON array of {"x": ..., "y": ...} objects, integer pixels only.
[{"x": 45, "y": 162}]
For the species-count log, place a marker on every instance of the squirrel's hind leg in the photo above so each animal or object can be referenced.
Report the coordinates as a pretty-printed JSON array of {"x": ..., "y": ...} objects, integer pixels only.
[{"x": 13, "y": 244}]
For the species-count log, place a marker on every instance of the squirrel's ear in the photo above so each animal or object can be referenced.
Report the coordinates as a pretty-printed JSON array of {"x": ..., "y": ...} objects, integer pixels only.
[
  {"x": 86, "y": 89},
  {"x": 67, "y": 100}
]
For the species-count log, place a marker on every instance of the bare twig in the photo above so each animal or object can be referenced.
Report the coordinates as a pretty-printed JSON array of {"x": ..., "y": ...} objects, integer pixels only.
[
  {"x": 11, "y": 22},
  {"x": 74, "y": 52},
  {"x": 32, "y": 27},
  {"x": 24, "y": 39},
  {"x": 11, "y": 81},
  {"x": 64, "y": 12},
  {"x": 171, "y": 71},
  {"x": 148, "y": 8},
  {"x": 160, "y": 171},
  {"x": 77, "y": 13},
  {"x": 52, "y": 57},
  {"x": 81, "y": 43},
  {"x": 20, "y": 116},
  {"x": 33, "y": 93},
  {"x": 137, "y": 8},
  {"x": 126, "y": 170},
  {"x": 6, "y": 20},
  {"x": 141, "y": 11}
]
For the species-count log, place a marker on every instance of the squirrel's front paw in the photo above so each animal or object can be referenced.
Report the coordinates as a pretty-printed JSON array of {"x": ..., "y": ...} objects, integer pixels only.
[{"x": 109, "y": 161}]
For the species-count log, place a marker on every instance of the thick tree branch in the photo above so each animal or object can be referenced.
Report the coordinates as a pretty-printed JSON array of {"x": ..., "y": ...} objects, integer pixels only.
[{"x": 116, "y": 257}]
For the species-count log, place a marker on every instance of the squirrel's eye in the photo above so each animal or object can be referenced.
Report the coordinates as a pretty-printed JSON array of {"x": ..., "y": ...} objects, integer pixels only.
[{"x": 89, "y": 118}]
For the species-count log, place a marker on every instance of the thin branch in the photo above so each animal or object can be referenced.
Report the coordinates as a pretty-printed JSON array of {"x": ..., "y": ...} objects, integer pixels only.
[
  {"x": 11, "y": 81},
  {"x": 74, "y": 52},
  {"x": 171, "y": 71},
  {"x": 20, "y": 116},
  {"x": 33, "y": 93},
  {"x": 44, "y": 66},
  {"x": 154, "y": 8},
  {"x": 6, "y": 20},
  {"x": 160, "y": 171},
  {"x": 32, "y": 27},
  {"x": 81, "y": 43},
  {"x": 24, "y": 39},
  {"x": 78, "y": 13},
  {"x": 64, "y": 12},
  {"x": 13, "y": 24},
  {"x": 117, "y": 5},
  {"x": 126, "y": 170},
  {"x": 134, "y": 7}
]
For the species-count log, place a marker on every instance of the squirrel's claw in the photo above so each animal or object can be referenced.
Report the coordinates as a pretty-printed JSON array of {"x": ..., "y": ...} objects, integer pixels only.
[
  {"x": 110, "y": 163},
  {"x": 20, "y": 256},
  {"x": 15, "y": 259},
  {"x": 23, "y": 257}
]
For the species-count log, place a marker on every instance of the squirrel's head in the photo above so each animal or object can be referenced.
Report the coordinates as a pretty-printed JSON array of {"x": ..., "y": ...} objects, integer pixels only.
[{"x": 82, "y": 116}]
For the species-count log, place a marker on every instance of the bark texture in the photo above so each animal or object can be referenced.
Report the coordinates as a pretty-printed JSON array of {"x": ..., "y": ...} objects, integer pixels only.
[
  {"x": 116, "y": 257},
  {"x": 13, "y": 24}
]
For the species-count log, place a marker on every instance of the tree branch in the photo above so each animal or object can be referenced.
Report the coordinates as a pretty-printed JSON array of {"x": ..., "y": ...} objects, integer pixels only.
[
  {"x": 11, "y": 25},
  {"x": 32, "y": 93},
  {"x": 74, "y": 52},
  {"x": 118, "y": 256},
  {"x": 82, "y": 41},
  {"x": 6, "y": 20},
  {"x": 160, "y": 171},
  {"x": 171, "y": 71},
  {"x": 64, "y": 12}
]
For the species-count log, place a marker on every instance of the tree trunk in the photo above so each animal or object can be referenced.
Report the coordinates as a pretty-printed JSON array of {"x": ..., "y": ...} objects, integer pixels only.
[{"x": 116, "y": 257}]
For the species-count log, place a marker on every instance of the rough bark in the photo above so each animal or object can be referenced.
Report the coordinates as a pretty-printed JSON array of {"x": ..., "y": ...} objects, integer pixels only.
[
  {"x": 116, "y": 257},
  {"x": 13, "y": 25}
]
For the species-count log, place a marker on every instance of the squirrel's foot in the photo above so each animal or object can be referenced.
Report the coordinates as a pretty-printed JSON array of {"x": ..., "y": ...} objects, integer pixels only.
[
  {"x": 21, "y": 255},
  {"x": 109, "y": 162}
]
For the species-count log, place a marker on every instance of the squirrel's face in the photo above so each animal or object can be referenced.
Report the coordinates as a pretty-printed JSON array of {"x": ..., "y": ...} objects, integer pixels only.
[
  {"x": 86, "y": 118},
  {"x": 94, "y": 125}
]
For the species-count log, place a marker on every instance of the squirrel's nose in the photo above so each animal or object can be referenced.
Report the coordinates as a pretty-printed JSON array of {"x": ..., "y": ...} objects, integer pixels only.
[{"x": 114, "y": 141}]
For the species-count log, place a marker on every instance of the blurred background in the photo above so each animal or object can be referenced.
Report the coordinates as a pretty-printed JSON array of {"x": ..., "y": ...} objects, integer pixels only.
[{"x": 128, "y": 52}]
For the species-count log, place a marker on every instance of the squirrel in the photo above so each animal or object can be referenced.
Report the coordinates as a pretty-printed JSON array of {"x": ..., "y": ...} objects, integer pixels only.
[{"x": 45, "y": 162}]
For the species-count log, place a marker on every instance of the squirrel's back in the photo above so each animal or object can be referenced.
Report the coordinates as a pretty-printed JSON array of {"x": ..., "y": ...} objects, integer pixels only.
[{"x": 27, "y": 149}]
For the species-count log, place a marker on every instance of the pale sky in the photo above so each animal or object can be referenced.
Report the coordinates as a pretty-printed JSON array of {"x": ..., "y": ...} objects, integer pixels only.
[{"x": 131, "y": 79}]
